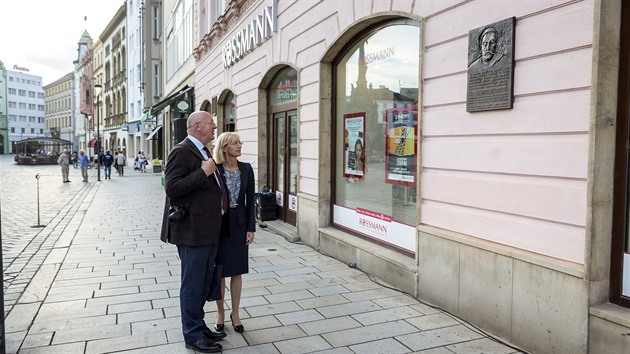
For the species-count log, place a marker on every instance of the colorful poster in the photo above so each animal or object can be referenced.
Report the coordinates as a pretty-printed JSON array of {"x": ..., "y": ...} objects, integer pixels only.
[
  {"x": 401, "y": 141},
  {"x": 354, "y": 145}
]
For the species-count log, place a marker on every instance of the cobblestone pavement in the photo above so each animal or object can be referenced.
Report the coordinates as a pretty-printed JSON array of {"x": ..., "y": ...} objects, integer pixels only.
[
  {"x": 28, "y": 205},
  {"x": 97, "y": 279}
]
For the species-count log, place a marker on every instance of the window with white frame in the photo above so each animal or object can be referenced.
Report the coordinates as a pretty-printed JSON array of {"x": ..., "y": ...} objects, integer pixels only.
[
  {"x": 179, "y": 36},
  {"x": 156, "y": 80}
]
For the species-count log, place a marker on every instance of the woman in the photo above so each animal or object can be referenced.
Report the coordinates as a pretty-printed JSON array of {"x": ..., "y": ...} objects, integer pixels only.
[{"x": 233, "y": 251}]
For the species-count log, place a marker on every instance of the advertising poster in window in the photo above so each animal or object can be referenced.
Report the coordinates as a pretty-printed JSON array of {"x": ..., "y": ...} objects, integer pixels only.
[
  {"x": 354, "y": 145},
  {"x": 402, "y": 135}
]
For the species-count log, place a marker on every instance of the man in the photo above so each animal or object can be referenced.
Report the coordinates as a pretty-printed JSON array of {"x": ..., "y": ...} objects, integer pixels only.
[
  {"x": 487, "y": 46},
  {"x": 192, "y": 184},
  {"x": 64, "y": 161},
  {"x": 84, "y": 162},
  {"x": 108, "y": 160},
  {"x": 121, "y": 160}
]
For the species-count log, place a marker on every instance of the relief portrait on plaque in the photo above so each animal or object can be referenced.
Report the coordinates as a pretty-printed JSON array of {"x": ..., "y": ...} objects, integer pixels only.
[
  {"x": 487, "y": 55},
  {"x": 491, "y": 66}
]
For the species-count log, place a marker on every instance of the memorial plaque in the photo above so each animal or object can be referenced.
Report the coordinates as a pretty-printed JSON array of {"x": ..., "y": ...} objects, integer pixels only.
[{"x": 491, "y": 67}]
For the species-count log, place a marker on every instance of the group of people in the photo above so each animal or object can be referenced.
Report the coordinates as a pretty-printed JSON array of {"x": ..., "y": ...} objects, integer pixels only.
[
  {"x": 83, "y": 161},
  {"x": 215, "y": 194},
  {"x": 140, "y": 162}
]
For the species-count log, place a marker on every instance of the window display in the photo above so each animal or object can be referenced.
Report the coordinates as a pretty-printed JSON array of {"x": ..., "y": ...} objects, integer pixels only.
[{"x": 376, "y": 121}]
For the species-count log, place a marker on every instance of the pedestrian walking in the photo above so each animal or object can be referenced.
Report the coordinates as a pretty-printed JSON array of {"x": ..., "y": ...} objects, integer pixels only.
[
  {"x": 74, "y": 159},
  {"x": 84, "y": 162},
  {"x": 141, "y": 162},
  {"x": 233, "y": 254},
  {"x": 64, "y": 161},
  {"x": 121, "y": 160},
  {"x": 108, "y": 160},
  {"x": 192, "y": 221}
]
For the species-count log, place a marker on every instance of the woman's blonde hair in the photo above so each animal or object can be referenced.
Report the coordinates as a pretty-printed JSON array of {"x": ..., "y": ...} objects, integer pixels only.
[{"x": 225, "y": 139}]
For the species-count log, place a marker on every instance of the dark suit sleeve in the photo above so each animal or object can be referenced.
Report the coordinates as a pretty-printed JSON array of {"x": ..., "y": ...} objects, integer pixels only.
[
  {"x": 183, "y": 173},
  {"x": 249, "y": 199}
]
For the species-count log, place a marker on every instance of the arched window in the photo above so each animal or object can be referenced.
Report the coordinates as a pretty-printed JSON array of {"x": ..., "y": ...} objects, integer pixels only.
[
  {"x": 229, "y": 113},
  {"x": 376, "y": 127}
]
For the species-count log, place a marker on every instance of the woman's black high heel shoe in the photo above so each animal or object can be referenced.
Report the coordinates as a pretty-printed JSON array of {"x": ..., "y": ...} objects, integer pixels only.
[
  {"x": 219, "y": 327},
  {"x": 237, "y": 328}
]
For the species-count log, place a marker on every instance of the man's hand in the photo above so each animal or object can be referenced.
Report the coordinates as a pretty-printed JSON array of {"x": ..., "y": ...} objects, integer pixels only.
[{"x": 208, "y": 166}]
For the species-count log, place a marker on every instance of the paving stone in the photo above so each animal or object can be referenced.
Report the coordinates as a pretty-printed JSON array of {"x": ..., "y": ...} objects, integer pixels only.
[
  {"x": 328, "y": 290},
  {"x": 90, "y": 333},
  {"x": 21, "y": 317},
  {"x": 254, "y": 323},
  {"x": 110, "y": 300},
  {"x": 299, "y": 317},
  {"x": 348, "y": 309},
  {"x": 384, "y": 346},
  {"x": 40, "y": 326},
  {"x": 302, "y": 345},
  {"x": 78, "y": 347},
  {"x": 438, "y": 337},
  {"x": 273, "y": 309},
  {"x": 483, "y": 345},
  {"x": 159, "y": 324},
  {"x": 329, "y": 325},
  {"x": 273, "y": 334},
  {"x": 428, "y": 322},
  {"x": 323, "y": 301},
  {"x": 139, "y": 341},
  {"x": 289, "y": 296},
  {"x": 368, "y": 333},
  {"x": 37, "y": 340},
  {"x": 130, "y": 317},
  {"x": 387, "y": 315}
]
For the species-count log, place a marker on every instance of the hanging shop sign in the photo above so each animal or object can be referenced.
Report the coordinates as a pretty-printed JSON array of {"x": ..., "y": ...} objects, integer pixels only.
[{"x": 251, "y": 35}]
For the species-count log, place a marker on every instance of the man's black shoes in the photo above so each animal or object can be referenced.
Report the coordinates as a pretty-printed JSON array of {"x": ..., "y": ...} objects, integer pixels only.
[
  {"x": 204, "y": 345},
  {"x": 213, "y": 336}
]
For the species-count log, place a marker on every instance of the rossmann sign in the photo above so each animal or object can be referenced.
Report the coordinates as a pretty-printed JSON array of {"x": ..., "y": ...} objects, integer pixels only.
[{"x": 259, "y": 29}]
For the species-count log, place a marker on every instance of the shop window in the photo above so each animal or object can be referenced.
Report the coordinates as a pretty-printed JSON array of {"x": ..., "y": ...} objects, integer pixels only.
[
  {"x": 229, "y": 113},
  {"x": 376, "y": 139},
  {"x": 620, "y": 251}
]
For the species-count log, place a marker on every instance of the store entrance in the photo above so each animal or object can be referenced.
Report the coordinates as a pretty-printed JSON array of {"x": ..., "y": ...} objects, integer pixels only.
[{"x": 285, "y": 162}]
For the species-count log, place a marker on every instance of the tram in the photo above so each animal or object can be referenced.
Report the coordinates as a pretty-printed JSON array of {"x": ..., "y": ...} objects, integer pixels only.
[{"x": 40, "y": 151}]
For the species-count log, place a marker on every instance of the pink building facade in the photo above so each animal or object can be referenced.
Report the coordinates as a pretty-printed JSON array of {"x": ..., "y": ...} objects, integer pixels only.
[{"x": 355, "y": 114}]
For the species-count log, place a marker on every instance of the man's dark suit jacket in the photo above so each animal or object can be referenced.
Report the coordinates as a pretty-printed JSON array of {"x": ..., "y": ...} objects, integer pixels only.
[
  {"x": 187, "y": 185},
  {"x": 246, "y": 208}
]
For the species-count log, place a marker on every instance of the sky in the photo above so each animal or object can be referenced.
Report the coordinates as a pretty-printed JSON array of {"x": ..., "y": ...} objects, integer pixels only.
[{"x": 42, "y": 35}]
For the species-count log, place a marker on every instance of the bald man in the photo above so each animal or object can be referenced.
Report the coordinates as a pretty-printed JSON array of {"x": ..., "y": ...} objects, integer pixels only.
[{"x": 193, "y": 187}]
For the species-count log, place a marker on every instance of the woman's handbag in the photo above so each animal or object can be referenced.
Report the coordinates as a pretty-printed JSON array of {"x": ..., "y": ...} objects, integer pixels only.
[{"x": 215, "y": 286}]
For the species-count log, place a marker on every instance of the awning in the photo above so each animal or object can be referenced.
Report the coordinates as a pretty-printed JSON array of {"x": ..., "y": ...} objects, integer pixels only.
[
  {"x": 92, "y": 143},
  {"x": 165, "y": 102},
  {"x": 154, "y": 132}
]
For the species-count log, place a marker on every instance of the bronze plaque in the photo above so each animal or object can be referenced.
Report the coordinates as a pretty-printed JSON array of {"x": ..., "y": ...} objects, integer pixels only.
[{"x": 491, "y": 67}]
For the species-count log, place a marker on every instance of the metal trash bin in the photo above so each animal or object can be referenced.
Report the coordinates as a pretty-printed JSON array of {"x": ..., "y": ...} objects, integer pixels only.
[{"x": 266, "y": 208}]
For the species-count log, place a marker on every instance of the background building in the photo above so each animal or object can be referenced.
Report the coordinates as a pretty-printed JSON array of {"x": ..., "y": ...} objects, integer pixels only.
[
  {"x": 25, "y": 96},
  {"x": 60, "y": 108},
  {"x": 4, "y": 133},
  {"x": 115, "y": 132}
]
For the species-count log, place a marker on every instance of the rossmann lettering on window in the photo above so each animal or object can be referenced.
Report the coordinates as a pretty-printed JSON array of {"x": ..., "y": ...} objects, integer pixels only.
[
  {"x": 373, "y": 226},
  {"x": 253, "y": 34}
]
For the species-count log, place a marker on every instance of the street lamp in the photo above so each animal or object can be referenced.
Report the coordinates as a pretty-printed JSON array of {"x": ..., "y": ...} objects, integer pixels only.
[{"x": 97, "y": 91}]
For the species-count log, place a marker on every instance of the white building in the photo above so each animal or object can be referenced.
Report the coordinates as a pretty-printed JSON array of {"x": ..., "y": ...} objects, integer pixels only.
[
  {"x": 135, "y": 77},
  {"x": 25, "y": 105}
]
